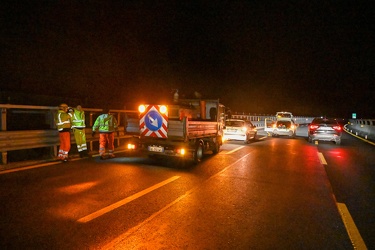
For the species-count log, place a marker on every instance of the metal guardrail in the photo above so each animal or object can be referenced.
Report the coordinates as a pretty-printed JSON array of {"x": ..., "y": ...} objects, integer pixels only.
[
  {"x": 259, "y": 120},
  {"x": 25, "y": 127},
  {"x": 362, "y": 127}
]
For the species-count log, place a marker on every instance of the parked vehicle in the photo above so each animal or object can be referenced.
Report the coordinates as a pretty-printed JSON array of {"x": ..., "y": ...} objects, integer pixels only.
[
  {"x": 284, "y": 125},
  {"x": 324, "y": 129},
  {"x": 240, "y": 130},
  {"x": 186, "y": 129}
]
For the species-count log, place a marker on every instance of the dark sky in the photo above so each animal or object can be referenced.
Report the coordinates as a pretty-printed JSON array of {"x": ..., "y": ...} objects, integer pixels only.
[{"x": 307, "y": 57}]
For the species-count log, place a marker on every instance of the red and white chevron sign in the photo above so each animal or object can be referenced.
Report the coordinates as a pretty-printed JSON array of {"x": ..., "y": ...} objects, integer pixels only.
[{"x": 153, "y": 123}]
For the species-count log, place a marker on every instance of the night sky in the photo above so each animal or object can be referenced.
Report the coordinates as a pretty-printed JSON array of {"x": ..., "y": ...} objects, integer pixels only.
[{"x": 308, "y": 57}]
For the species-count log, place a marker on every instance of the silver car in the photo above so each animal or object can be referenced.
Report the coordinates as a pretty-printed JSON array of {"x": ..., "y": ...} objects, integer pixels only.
[
  {"x": 239, "y": 130},
  {"x": 324, "y": 129}
]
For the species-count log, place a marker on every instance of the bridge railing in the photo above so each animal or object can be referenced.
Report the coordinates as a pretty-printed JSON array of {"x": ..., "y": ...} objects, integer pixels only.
[
  {"x": 259, "y": 120},
  {"x": 28, "y": 132}
]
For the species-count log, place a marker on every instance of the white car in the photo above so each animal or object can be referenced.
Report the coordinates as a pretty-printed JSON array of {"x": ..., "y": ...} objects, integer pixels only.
[
  {"x": 284, "y": 127},
  {"x": 239, "y": 130}
]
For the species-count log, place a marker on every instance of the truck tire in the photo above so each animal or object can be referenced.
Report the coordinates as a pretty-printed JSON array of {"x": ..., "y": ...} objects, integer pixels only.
[
  {"x": 216, "y": 147},
  {"x": 198, "y": 153}
]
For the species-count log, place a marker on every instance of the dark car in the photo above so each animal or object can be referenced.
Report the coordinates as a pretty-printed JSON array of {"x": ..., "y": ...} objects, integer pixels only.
[{"x": 325, "y": 129}]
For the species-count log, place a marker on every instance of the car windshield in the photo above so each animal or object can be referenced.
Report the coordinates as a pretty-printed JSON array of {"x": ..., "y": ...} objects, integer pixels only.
[{"x": 235, "y": 123}]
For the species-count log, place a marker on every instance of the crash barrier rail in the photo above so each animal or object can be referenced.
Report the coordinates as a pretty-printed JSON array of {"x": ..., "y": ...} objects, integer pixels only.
[
  {"x": 362, "y": 127},
  {"x": 24, "y": 128},
  {"x": 259, "y": 120}
]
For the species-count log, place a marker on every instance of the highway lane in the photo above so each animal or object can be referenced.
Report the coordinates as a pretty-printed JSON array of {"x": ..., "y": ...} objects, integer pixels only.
[
  {"x": 351, "y": 171},
  {"x": 272, "y": 193}
]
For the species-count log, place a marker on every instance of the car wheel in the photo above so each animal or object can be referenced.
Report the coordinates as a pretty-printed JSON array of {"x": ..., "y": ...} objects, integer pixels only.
[
  {"x": 255, "y": 137},
  {"x": 246, "y": 141}
]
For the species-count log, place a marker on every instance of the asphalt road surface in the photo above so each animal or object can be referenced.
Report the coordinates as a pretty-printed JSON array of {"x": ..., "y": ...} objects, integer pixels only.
[{"x": 274, "y": 193}]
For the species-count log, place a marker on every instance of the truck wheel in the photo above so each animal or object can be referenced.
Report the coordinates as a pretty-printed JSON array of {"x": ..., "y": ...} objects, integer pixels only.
[
  {"x": 198, "y": 153},
  {"x": 216, "y": 148}
]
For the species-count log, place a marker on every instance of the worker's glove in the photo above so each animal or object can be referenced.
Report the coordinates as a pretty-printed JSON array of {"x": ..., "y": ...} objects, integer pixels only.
[
  {"x": 118, "y": 133},
  {"x": 93, "y": 134}
]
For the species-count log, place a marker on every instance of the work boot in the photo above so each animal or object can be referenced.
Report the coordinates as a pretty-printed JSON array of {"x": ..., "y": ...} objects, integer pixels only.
[
  {"x": 111, "y": 156},
  {"x": 81, "y": 154}
]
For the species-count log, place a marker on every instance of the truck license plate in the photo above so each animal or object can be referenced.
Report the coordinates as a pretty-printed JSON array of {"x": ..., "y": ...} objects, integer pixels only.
[{"x": 156, "y": 149}]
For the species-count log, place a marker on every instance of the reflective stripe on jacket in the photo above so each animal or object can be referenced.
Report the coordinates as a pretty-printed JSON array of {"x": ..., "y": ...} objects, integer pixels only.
[
  {"x": 78, "y": 120},
  {"x": 63, "y": 120},
  {"x": 105, "y": 123}
]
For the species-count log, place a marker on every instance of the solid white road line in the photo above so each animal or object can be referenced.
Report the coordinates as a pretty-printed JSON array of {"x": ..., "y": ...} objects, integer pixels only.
[
  {"x": 30, "y": 167},
  {"x": 234, "y": 150},
  {"x": 126, "y": 200}
]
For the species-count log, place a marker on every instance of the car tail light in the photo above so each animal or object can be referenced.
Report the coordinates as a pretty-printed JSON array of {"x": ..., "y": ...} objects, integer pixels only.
[
  {"x": 313, "y": 127},
  {"x": 338, "y": 128}
]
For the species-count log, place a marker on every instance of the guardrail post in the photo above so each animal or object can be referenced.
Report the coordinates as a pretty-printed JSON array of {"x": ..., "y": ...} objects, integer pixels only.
[
  {"x": 4, "y": 158},
  {"x": 3, "y": 119}
]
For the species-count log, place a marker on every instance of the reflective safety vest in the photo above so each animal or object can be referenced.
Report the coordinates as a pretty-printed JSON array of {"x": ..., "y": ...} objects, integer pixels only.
[
  {"x": 105, "y": 123},
  {"x": 63, "y": 120},
  {"x": 78, "y": 119}
]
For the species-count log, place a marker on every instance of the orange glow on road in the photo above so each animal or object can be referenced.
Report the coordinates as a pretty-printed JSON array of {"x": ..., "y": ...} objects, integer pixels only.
[{"x": 74, "y": 189}]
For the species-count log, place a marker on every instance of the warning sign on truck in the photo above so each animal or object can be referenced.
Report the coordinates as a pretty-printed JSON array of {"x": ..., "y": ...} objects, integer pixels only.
[{"x": 153, "y": 121}]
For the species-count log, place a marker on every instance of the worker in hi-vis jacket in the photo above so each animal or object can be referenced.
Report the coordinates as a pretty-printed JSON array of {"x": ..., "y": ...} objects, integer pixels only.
[
  {"x": 63, "y": 123},
  {"x": 78, "y": 128},
  {"x": 106, "y": 123}
]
